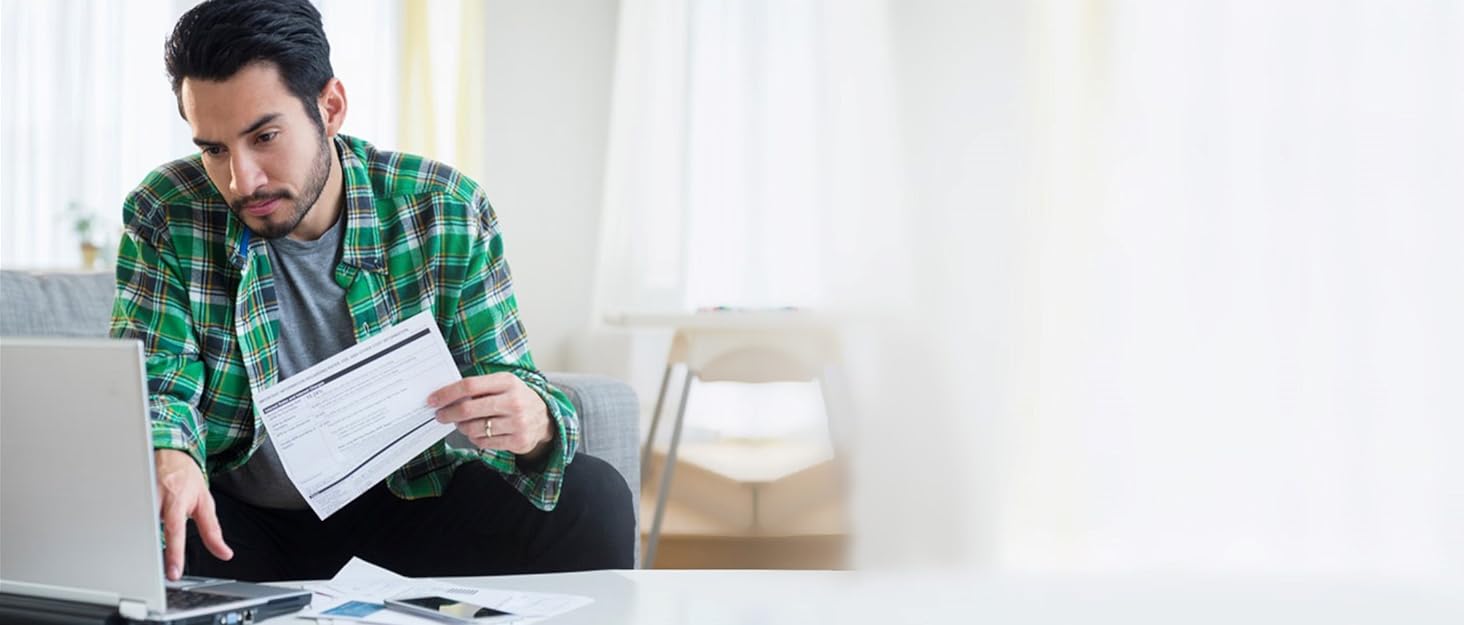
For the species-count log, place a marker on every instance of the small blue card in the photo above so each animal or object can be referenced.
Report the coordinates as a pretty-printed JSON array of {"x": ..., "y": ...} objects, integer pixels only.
[{"x": 355, "y": 608}]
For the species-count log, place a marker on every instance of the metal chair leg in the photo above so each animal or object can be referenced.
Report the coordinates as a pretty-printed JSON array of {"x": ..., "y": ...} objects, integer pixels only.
[
  {"x": 666, "y": 472},
  {"x": 656, "y": 418}
]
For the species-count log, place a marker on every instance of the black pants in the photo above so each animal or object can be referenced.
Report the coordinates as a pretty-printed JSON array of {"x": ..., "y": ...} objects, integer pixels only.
[{"x": 479, "y": 526}]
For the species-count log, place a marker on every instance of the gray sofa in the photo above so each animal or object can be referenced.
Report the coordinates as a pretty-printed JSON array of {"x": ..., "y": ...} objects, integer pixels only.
[{"x": 80, "y": 304}]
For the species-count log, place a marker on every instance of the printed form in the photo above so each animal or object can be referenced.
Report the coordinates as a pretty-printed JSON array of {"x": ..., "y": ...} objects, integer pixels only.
[
  {"x": 343, "y": 425},
  {"x": 360, "y": 587}
]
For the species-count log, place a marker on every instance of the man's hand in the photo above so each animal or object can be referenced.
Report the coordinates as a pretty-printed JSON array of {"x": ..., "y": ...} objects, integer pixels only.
[
  {"x": 496, "y": 411},
  {"x": 184, "y": 495}
]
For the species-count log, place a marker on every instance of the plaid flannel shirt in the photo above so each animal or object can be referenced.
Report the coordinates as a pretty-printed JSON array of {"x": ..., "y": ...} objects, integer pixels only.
[{"x": 196, "y": 288}]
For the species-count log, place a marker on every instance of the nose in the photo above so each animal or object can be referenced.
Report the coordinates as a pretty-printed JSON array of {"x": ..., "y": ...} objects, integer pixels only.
[{"x": 245, "y": 175}]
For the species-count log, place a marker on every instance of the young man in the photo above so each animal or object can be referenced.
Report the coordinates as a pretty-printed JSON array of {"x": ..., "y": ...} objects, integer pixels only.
[{"x": 280, "y": 244}]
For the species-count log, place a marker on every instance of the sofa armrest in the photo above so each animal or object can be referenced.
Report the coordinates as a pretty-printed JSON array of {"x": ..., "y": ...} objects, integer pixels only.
[
  {"x": 609, "y": 428},
  {"x": 609, "y": 420}
]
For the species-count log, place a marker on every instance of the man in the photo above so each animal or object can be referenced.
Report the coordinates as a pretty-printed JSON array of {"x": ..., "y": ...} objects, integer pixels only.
[{"x": 283, "y": 242}]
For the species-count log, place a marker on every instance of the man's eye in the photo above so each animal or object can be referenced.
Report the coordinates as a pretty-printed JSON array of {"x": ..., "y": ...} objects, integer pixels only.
[
  {"x": 268, "y": 136},
  {"x": 213, "y": 150}
]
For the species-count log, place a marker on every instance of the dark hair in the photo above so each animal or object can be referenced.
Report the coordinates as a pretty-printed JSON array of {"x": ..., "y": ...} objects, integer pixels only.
[{"x": 217, "y": 38}]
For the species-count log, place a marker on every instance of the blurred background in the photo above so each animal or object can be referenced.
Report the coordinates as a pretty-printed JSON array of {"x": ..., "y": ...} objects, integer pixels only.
[{"x": 1116, "y": 285}]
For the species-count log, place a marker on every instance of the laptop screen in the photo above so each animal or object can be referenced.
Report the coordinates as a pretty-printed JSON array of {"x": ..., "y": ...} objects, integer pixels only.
[{"x": 78, "y": 512}]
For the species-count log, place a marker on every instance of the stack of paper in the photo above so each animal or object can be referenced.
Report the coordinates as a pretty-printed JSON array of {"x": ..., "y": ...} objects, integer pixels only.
[{"x": 358, "y": 592}]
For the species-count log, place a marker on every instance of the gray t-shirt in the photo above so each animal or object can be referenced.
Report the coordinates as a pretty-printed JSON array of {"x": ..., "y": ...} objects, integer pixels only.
[{"x": 315, "y": 324}]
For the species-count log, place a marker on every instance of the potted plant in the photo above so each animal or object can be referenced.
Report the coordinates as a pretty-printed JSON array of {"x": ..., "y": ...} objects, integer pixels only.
[{"x": 83, "y": 223}]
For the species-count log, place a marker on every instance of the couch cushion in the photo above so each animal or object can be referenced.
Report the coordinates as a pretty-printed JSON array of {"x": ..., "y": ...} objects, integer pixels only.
[
  {"x": 610, "y": 419},
  {"x": 55, "y": 304}
]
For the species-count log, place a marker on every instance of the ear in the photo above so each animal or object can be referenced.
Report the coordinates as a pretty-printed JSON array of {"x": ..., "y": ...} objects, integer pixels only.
[{"x": 332, "y": 103}]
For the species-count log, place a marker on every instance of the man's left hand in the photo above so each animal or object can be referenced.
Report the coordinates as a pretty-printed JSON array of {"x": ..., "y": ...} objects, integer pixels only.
[{"x": 496, "y": 411}]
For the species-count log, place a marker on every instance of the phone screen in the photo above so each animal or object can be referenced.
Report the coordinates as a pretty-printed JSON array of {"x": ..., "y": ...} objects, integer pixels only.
[{"x": 452, "y": 607}]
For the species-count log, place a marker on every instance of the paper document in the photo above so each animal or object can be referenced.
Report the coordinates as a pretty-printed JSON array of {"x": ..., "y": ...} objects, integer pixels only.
[
  {"x": 362, "y": 582},
  {"x": 343, "y": 425}
]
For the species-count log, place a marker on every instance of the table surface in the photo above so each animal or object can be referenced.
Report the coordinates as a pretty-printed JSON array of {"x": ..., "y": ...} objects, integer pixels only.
[
  {"x": 652, "y": 597},
  {"x": 658, "y": 597}
]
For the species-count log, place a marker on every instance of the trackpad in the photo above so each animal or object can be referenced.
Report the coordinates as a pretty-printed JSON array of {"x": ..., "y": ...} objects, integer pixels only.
[{"x": 245, "y": 590}]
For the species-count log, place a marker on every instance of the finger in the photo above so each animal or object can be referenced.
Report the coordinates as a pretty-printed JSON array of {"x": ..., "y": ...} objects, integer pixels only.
[
  {"x": 207, "y": 520},
  {"x": 175, "y": 522},
  {"x": 472, "y": 387},
  {"x": 498, "y": 426},
  {"x": 477, "y": 408},
  {"x": 504, "y": 442}
]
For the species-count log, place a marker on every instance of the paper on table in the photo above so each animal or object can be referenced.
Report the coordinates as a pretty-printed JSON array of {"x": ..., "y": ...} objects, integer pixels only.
[
  {"x": 340, "y": 611},
  {"x": 343, "y": 425},
  {"x": 358, "y": 580},
  {"x": 361, "y": 580}
]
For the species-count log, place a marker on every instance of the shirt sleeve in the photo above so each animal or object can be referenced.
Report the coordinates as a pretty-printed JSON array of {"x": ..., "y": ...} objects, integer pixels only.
[
  {"x": 487, "y": 329},
  {"x": 151, "y": 305}
]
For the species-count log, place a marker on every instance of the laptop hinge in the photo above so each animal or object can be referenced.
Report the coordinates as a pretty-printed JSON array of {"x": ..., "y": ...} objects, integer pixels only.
[{"x": 129, "y": 609}]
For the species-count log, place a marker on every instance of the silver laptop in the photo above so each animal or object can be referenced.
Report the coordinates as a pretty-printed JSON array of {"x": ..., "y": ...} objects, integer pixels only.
[{"x": 78, "y": 499}]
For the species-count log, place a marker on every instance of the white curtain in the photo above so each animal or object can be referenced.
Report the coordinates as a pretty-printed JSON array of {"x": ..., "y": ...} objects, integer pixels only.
[
  {"x": 1210, "y": 322},
  {"x": 365, "y": 52},
  {"x": 87, "y": 110},
  {"x": 731, "y": 125}
]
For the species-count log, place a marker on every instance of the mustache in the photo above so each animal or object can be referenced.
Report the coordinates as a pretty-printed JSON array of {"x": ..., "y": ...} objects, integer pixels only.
[{"x": 262, "y": 196}]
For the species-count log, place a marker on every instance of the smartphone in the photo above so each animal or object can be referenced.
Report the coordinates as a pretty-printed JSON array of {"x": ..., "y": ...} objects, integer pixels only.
[{"x": 448, "y": 610}]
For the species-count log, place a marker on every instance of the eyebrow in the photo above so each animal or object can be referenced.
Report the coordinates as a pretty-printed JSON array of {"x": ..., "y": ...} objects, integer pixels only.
[{"x": 258, "y": 123}]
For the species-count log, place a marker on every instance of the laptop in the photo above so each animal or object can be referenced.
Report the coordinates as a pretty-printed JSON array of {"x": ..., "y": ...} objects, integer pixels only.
[{"x": 79, "y": 529}]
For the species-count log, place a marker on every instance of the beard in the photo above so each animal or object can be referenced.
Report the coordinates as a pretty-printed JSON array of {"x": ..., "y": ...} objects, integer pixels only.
[{"x": 314, "y": 186}]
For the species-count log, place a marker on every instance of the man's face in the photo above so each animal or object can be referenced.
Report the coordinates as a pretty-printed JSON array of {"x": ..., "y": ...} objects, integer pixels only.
[{"x": 260, "y": 148}]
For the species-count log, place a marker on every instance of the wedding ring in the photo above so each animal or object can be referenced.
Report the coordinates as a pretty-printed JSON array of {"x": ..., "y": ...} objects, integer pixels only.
[{"x": 487, "y": 428}]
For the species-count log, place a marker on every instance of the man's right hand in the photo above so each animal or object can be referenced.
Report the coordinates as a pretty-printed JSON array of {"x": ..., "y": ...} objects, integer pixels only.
[{"x": 184, "y": 495}]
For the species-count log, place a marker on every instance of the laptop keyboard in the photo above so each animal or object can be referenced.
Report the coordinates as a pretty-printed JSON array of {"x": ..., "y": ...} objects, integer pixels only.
[{"x": 187, "y": 600}]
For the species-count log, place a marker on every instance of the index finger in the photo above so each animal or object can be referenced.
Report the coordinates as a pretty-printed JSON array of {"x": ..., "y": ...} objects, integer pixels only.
[
  {"x": 471, "y": 387},
  {"x": 175, "y": 524}
]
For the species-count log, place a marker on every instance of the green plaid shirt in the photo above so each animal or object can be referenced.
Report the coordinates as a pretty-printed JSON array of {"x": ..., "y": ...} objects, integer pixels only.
[{"x": 196, "y": 288}]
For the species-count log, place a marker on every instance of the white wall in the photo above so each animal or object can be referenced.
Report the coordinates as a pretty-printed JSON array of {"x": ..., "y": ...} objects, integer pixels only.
[{"x": 549, "y": 75}]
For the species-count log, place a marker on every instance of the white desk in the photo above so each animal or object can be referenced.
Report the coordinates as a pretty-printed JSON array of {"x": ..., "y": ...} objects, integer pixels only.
[
  {"x": 655, "y": 597},
  {"x": 662, "y": 597}
]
